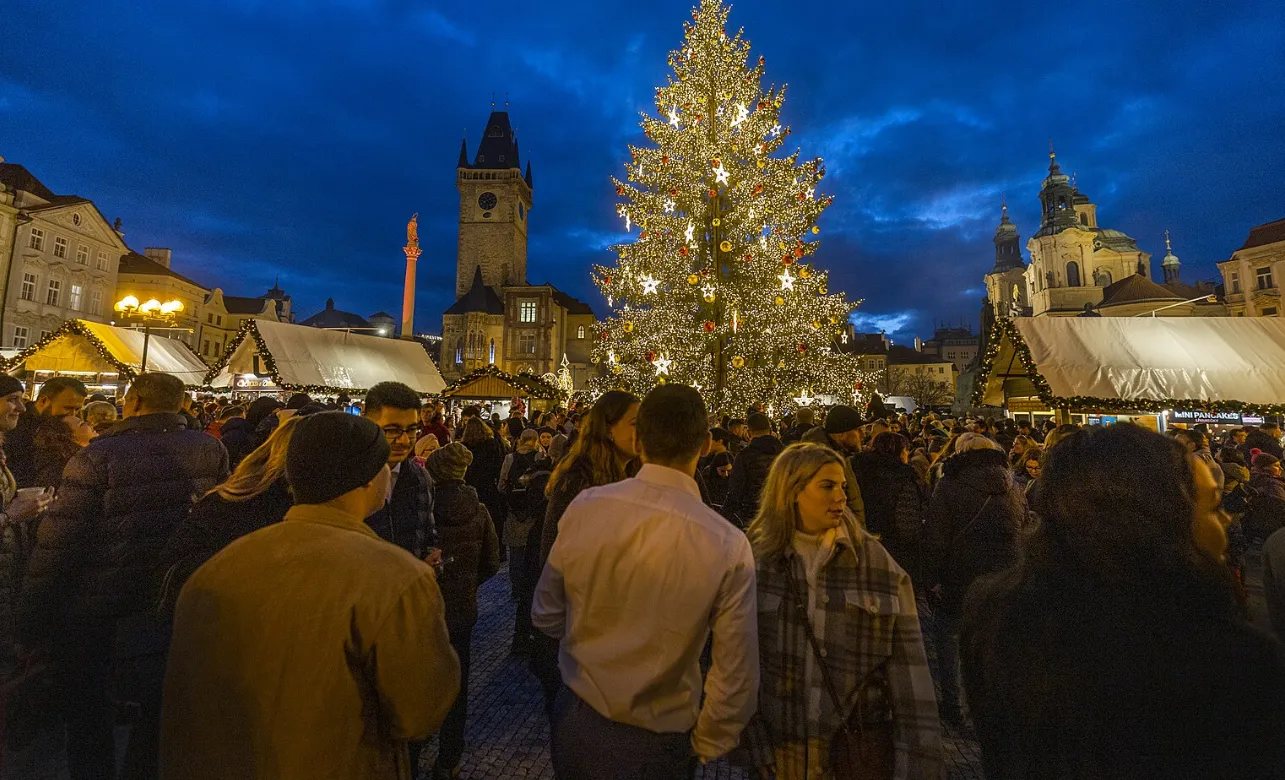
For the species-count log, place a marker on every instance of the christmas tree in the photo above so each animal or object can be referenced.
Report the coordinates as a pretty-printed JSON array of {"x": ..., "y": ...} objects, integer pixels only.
[{"x": 717, "y": 291}]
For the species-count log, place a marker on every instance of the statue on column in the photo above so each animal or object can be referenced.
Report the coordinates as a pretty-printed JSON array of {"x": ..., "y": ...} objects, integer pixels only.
[{"x": 412, "y": 230}]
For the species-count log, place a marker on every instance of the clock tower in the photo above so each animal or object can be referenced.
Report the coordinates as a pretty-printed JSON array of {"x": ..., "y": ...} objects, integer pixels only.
[{"x": 495, "y": 203}]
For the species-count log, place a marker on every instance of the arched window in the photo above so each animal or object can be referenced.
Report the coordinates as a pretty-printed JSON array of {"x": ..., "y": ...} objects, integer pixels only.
[
  {"x": 1084, "y": 219},
  {"x": 580, "y": 332},
  {"x": 492, "y": 358},
  {"x": 1061, "y": 202},
  {"x": 459, "y": 350},
  {"x": 1072, "y": 274}
]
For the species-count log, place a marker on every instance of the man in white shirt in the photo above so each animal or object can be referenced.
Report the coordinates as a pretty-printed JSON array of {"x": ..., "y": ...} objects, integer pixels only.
[{"x": 641, "y": 574}]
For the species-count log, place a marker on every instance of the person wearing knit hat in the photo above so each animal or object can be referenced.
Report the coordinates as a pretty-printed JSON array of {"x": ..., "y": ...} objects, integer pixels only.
[
  {"x": 11, "y": 403},
  {"x": 842, "y": 433},
  {"x": 472, "y": 547},
  {"x": 332, "y": 454},
  {"x": 449, "y": 463},
  {"x": 317, "y": 598}
]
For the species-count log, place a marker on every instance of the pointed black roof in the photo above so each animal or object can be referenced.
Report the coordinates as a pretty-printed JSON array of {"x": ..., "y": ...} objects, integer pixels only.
[
  {"x": 479, "y": 298},
  {"x": 463, "y": 153},
  {"x": 529, "y": 183},
  {"x": 499, "y": 147}
]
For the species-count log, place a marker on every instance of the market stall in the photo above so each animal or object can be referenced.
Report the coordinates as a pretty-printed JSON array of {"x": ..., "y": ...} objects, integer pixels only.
[
  {"x": 1135, "y": 367},
  {"x": 495, "y": 389},
  {"x": 276, "y": 357},
  {"x": 105, "y": 357}
]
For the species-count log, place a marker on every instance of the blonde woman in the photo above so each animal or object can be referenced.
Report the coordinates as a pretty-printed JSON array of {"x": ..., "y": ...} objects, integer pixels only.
[
  {"x": 841, "y": 655},
  {"x": 253, "y": 497}
]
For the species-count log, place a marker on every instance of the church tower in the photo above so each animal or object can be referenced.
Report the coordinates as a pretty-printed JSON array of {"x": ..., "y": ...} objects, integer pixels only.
[
  {"x": 1170, "y": 265},
  {"x": 1005, "y": 284},
  {"x": 495, "y": 202}
]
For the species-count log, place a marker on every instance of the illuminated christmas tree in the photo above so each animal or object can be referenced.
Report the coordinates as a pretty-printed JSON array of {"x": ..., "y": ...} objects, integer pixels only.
[{"x": 717, "y": 291}]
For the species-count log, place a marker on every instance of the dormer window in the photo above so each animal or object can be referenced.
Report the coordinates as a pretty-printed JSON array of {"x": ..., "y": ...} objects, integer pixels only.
[{"x": 495, "y": 132}]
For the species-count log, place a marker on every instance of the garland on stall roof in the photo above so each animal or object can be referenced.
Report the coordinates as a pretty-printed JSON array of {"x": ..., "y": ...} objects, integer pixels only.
[
  {"x": 1007, "y": 328},
  {"x": 532, "y": 384},
  {"x": 77, "y": 328}
]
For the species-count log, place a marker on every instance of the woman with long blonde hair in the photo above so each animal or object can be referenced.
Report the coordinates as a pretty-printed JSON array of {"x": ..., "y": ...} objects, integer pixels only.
[
  {"x": 841, "y": 655},
  {"x": 253, "y": 497}
]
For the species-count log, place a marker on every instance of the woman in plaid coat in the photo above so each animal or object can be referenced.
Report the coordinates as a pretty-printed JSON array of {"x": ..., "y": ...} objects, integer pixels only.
[{"x": 819, "y": 573}]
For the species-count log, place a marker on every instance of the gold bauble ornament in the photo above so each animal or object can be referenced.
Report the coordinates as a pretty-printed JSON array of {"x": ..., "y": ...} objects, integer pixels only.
[
  {"x": 716, "y": 222},
  {"x": 815, "y": 230},
  {"x": 804, "y": 272},
  {"x": 781, "y": 364},
  {"x": 816, "y": 324},
  {"x": 616, "y": 369},
  {"x": 726, "y": 246},
  {"x": 779, "y": 301},
  {"x": 738, "y": 361},
  {"x": 693, "y": 278},
  {"x": 761, "y": 164},
  {"x": 823, "y": 290},
  {"x": 834, "y": 320},
  {"x": 709, "y": 299},
  {"x": 628, "y": 327},
  {"x": 594, "y": 359}
]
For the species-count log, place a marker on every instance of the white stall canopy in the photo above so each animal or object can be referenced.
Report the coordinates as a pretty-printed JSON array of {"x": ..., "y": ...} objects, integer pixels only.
[
  {"x": 83, "y": 347},
  {"x": 276, "y": 355},
  {"x": 1149, "y": 363}
]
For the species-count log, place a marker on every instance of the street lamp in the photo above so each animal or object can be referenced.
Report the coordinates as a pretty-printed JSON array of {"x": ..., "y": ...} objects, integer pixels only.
[{"x": 149, "y": 311}]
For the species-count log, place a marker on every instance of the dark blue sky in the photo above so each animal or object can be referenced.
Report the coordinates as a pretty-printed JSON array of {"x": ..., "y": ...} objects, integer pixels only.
[{"x": 296, "y": 137}]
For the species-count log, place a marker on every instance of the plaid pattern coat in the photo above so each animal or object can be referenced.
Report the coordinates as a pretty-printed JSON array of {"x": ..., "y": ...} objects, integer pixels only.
[{"x": 869, "y": 629}]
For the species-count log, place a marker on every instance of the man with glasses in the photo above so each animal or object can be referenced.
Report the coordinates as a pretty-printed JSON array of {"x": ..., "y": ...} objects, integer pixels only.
[{"x": 407, "y": 517}]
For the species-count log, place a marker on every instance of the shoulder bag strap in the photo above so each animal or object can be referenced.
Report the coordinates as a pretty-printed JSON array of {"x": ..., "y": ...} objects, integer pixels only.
[{"x": 802, "y": 606}]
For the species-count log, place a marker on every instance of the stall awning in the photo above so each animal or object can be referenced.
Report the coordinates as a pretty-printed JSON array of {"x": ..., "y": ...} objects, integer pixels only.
[
  {"x": 492, "y": 383},
  {"x": 1144, "y": 364},
  {"x": 80, "y": 346},
  {"x": 304, "y": 359}
]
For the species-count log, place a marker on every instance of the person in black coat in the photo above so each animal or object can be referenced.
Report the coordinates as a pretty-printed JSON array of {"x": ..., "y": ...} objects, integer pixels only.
[
  {"x": 484, "y": 473},
  {"x": 240, "y": 435},
  {"x": 1116, "y": 648},
  {"x": 406, "y": 519},
  {"x": 974, "y": 517},
  {"x": 471, "y": 556},
  {"x": 894, "y": 499},
  {"x": 749, "y": 472},
  {"x": 98, "y": 550},
  {"x": 1265, "y": 438}
]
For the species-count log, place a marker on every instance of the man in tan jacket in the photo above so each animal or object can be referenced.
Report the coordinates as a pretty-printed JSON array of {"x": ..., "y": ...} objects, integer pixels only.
[{"x": 311, "y": 648}]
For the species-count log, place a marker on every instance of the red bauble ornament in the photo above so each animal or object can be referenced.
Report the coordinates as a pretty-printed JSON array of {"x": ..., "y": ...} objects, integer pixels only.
[
  {"x": 643, "y": 235},
  {"x": 605, "y": 335},
  {"x": 664, "y": 160},
  {"x": 704, "y": 272},
  {"x": 787, "y": 260},
  {"x": 606, "y": 280},
  {"x": 682, "y": 251},
  {"x": 674, "y": 192},
  {"x": 798, "y": 252},
  {"x": 651, "y": 356},
  {"x": 620, "y": 190},
  {"x": 698, "y": 119},
  {"x": 713, "y": 193},
  {"x": 709, "y": 326},
  {"x": 713, "y": 163},
  {"x": 748, "y": 258},
  {"x": 802, "y": 347},
  {"x": 857, "y": 386},
  {"x": 762, "y": 105},
  {"x": 758, "y": 189}
]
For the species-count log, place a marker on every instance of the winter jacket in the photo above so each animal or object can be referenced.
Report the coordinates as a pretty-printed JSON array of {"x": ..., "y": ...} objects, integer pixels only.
[
  {"x": 523, "y": 507},
  {"x": 749, "y": 473},
  {"x": 795, "y": 433},
  {"x": 239, "y": 438},
  {"x": 53, "y": 447},
  {"x": 407, "y": 518},
  {"x": 972, "y": 527},
  {"x": 20, "y": 447},
  {"x": 213, "y": 524},
  {"x": 484, "y": 475},
  {"x": 309, "y": 649},
  {"x": 1266, "y": 505},
  {"x": 98, "y": 548},
  {"x": 856, "y": 501},
  {"x": 470, "y": 550},
  {"x": 894, "y": 506},
  {"x": 708, "y": 468}
]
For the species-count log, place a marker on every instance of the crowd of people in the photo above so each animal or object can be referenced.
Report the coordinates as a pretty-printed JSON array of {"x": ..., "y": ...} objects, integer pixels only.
[{"x": 289, "y": 590}]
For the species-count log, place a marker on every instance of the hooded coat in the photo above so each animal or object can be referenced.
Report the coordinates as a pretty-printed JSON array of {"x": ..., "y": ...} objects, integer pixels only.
[
  {"x": 470, "y": 549},
  {"x": 974, "y": 517}
]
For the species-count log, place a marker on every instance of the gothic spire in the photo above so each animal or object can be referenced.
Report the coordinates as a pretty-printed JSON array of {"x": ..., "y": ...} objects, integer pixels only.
[{"x": 463, "y": 153}]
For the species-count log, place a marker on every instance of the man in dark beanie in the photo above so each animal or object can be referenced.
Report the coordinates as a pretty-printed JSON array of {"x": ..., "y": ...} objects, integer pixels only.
[
  {"x": 335, "y": 638},
  {"x": 842, "y": 433}
]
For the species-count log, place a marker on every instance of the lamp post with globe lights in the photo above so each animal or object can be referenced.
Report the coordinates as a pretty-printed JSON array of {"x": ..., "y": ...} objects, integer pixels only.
[{"x": 148, "y": 312}]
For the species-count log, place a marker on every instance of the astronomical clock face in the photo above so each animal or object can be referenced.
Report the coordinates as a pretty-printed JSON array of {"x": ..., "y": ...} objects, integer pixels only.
[{"x": 487, "y": 200}]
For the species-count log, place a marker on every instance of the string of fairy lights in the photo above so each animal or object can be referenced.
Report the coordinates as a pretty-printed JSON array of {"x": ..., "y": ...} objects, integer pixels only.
[{"x": 716, "y": 288}]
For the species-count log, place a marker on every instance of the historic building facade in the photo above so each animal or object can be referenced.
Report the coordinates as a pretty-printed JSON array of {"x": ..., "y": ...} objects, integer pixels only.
[
  {"x": 1252, "y": 275},
  {"x": 58, "y": 259},
  {"x": 498, "y": 318},
  {"x": 1079, "y": 268}
]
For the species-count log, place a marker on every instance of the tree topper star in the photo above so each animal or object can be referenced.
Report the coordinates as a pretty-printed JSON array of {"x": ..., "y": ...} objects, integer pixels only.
[
  {"x": 787, "y": 281},
  {"x": 650, "y": 283}
]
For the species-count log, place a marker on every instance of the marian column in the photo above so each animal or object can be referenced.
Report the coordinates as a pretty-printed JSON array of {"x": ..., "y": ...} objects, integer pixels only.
[{"x": 408, "y": 295}]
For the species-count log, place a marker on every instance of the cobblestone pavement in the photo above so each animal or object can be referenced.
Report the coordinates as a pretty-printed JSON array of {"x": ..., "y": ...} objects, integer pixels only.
[{"x": 508, "y": 736}]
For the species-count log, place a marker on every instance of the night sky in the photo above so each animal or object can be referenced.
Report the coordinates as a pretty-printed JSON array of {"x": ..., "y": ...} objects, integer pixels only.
[{"x": 259, "y": 138}]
